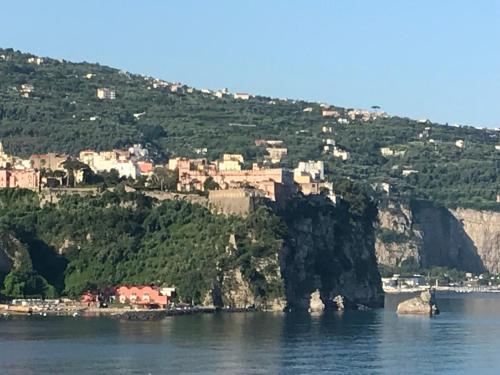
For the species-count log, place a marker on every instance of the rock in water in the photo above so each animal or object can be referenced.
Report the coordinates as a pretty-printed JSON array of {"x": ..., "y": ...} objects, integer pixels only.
[
  {"x": 316, "y": 305},
  {"x": 339, "y": 303},
  {"x": 424, "y": 304}
]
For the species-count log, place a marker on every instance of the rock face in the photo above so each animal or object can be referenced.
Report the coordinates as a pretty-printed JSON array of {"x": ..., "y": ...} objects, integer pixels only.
[
  {"x": 483, "y": 229},
  {"x": 328, "y": 252},
  {"x": 436, "y": 236},
  {"x": 424, "y": 304},
  {"x": 324, "y": 255}
]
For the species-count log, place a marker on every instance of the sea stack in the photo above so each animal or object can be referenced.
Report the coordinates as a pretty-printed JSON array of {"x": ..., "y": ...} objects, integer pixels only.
[
  {"x": 316, "y": 305},
  {"x": 424, "y": 304}
]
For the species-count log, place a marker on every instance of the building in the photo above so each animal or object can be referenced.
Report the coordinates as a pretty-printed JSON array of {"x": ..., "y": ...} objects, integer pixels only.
[
  {"x": 51, "y": 161},
  {"x": 273, "y": 182},
  {"x": 387, "y": 151},
  {"x": 407, "y": 172},
  {"x": 231, "y": 162},
  {"x": 329, "y": 112},
  {"x": 275, "y": 154},
  {"x": 340, "y": 153},
  {"x": 106, "y": 94},
  {"x": 145, "y": 168},
  {"x": 460, "y": 143},
  {"x": 308, "y": 109},
  {"x": 35, "y": 60},
  {"x": 173, "y": 163},
  {"x": 266, "y": 142},
  {"x": 19, "y": 178},
  {"x": 26, "y": 89},
  {"x": 309, "y": 171},
  {"x": 177, "y": 88},
  {"x": 241, "y": 96},
  {"x": 144, "y": 295},
  {"x": 105, "y": 161},
  {"x": 497, "y": 147}
]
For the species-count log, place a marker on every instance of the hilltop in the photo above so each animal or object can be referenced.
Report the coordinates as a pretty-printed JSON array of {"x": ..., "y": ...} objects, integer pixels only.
[{"x": 57, "y": 110}]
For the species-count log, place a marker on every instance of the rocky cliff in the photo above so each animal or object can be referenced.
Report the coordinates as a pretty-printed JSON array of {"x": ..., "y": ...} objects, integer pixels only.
[
  {"x": 324, "y": 249},
  {"x": 432, "y": 235}
]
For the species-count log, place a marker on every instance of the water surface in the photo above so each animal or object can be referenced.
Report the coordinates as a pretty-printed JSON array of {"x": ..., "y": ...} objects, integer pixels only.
[{"x": 465, "y": 338}]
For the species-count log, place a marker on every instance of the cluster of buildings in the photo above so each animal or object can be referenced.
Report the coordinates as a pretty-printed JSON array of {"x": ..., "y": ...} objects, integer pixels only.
[
  {"x": 130, "y": 163},
  {"x": 145, "y": 296},
  {"x": 228, "y": 173},
  {"x": 17, "y": 172},
  {"x": 350, "y": 115}
]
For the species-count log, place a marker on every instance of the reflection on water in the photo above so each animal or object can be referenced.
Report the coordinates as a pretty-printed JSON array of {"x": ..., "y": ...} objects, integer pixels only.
[{"x": 463, "y": 339}]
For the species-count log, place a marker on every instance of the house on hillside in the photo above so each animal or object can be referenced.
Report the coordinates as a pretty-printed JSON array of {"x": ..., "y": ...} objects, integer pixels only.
[
  {"x": 104, "y": 93},
  {"x": 241, "y": 96}
]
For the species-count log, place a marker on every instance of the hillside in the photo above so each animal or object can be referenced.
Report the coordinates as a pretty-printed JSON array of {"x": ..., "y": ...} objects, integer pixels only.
[
  {"x": 63, "y": 114},
  {"x": 270, "y": 258}
]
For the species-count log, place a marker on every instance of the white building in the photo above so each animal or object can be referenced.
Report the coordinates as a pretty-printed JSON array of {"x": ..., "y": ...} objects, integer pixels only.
[
  {"x": 35, "y": 60},
  {"x": 340, "y": 153},
  {"x": 460, "y": 143},
  {"x": 314, "y": 169},
  {"x": 241, "y": 96},
  {"x": 107, "y": 160},
  {"x": 104, "y": 93}
]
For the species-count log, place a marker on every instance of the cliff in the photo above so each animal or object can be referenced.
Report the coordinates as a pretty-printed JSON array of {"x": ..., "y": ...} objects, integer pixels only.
[
  {"x": 431, "y": 235},
  {"x": 270, "y": 258},
  {"x": 323, "y": 248},
  {"x": 331, "y": 251}
]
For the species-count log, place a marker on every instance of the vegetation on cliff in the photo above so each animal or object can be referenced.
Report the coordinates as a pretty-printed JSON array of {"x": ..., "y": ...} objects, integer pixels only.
[{"x": 119, "y": 238}]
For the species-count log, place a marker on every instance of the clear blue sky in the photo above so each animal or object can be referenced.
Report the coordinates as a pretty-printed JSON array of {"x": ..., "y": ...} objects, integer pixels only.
[{"x": 436, "y": 59}]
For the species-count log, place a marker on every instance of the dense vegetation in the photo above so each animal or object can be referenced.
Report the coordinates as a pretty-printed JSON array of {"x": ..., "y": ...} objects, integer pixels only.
[
  {"x": 63, "y": 114},
  {"x": 119, "y": 237}
]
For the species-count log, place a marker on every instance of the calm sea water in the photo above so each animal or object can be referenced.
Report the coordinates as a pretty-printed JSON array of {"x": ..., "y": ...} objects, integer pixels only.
[{"x": 465, "y": 338}]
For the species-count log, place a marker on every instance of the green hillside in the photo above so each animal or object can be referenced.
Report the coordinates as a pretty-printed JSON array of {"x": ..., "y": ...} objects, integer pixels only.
[{"x": 63, "y": 114}]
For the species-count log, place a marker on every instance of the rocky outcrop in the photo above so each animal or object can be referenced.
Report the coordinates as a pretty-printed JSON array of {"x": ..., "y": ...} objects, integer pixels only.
[
  {"x": 328, "y": 251},
  {"x": 433, "y": 235},
  {"x": 423, "y": 304},
  {"x": 316, "y": 305},
  {"x": 325, "y": 260}
]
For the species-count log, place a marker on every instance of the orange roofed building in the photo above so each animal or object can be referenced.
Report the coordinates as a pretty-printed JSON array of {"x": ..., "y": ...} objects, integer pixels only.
[{"x": 144, "y": 295}]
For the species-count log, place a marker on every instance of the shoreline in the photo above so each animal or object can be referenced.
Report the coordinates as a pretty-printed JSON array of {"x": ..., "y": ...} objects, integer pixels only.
[
  {"x": 484, "y": 289},
  {"x": 122, "y": 313}
]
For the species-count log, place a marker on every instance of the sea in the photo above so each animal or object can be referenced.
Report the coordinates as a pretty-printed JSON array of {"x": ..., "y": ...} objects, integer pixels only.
[{"x": 463, "y": 339}]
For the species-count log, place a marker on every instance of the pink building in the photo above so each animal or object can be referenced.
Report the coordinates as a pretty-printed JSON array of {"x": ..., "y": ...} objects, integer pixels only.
[
  {"x": 144, "y": 295},
  {"x": 19, "y": 178}
]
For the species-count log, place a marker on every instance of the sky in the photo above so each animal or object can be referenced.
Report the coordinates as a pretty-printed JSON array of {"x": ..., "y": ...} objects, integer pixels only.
[{"x": 435, "y": 59}]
